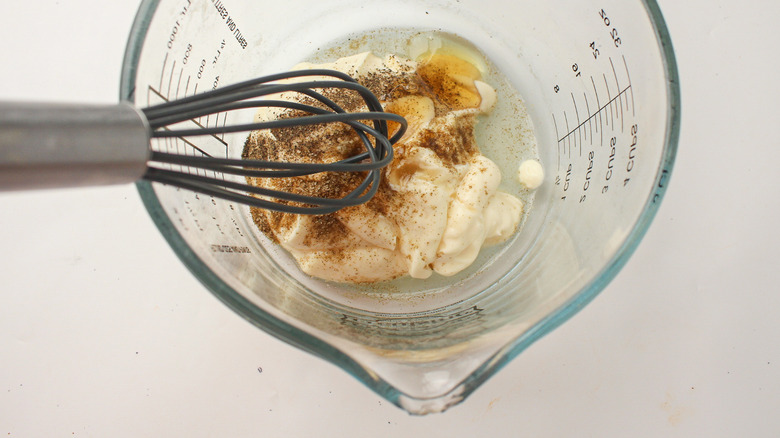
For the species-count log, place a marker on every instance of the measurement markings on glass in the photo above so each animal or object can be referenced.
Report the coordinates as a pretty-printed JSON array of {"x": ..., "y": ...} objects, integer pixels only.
[
  {"x": 568, "y": 138},
  {"x": 617, "y": 82},
  {"x": 162, "y": 73},
  {"x": 154, "y": 94},
  {"x": 628, "y": 76},
  {"x": 590, "y": 124},
  {"x": 598, "y": 104},
  {"x": 596, "y": 114},
  {"x": 600, "y": 117},
  {"x": 603, "y": 126},
  {"x": 609, "y": 102},
  {"x": 160, "y": 95},
  {"x": 184, "y": 70},
  {"x": 579, "y": 131}
]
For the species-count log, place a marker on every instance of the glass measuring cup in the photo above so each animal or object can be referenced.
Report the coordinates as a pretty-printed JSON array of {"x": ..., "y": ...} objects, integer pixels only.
[{"x": 600, "y": 84}]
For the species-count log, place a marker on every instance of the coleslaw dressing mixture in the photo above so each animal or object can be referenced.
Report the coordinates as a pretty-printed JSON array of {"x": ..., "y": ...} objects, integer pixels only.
[{"x": 441, "y": 201}]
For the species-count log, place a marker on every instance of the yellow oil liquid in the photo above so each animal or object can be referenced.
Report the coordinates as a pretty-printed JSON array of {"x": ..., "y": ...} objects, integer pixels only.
[{"x": 452, "y": 79}]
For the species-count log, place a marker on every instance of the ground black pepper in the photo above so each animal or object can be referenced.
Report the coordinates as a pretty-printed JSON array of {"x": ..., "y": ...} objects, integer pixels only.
[{"x": 450, "y": 136}]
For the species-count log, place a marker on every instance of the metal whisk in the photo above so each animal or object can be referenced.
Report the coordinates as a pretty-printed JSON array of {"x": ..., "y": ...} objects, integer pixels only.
[{"x": 45, "y": 145}]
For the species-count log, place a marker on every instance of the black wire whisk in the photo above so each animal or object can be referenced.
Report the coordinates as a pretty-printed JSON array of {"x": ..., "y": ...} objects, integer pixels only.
[
  {"x": 377, "y": 155},
  {"x": 55, "y": 145}
]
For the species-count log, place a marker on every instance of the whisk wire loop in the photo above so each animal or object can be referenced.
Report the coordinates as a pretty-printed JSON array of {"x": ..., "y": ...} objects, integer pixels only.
[{"x": 249, "y": 94}]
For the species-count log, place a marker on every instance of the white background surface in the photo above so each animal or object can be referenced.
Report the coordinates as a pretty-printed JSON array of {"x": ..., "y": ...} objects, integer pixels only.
[{"x": 103, "y": 332}]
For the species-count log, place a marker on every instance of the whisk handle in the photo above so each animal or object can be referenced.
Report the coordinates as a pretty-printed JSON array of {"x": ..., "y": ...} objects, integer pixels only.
[{"x": 45, "y": 145}]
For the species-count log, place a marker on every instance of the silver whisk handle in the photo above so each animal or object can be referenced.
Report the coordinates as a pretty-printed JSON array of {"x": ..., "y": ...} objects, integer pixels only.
[{"x": 70, "y": 145}]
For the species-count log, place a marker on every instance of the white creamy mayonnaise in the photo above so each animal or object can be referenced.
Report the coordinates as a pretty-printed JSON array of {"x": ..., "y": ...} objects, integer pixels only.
[{"x": 440, "y": 209}]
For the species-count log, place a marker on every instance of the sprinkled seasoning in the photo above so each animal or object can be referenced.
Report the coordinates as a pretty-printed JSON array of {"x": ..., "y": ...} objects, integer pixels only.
[{"x": 367, "y": 243}]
